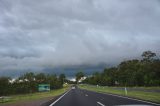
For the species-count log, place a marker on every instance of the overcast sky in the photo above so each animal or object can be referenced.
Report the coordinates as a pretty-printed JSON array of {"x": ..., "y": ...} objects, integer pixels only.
[{"x": 40, "y": 34}]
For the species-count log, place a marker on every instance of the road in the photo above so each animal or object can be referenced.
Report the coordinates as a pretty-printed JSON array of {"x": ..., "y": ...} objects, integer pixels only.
[{"x": 79, "y": 97}]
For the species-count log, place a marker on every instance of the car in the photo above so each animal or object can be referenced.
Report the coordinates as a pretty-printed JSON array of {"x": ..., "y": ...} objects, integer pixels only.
[{"x": 73, "y": 87}]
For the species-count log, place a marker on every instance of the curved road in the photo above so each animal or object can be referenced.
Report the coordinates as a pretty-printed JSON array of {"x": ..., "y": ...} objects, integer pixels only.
[{"x": 79, "y": 97}]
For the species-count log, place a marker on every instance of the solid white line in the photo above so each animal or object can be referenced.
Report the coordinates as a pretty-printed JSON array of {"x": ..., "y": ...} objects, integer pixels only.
[
  {"x": 127, "y": 98},
  {"x": 100, "y": 103},
  {"x": 59, "y": 99},
  {"x": 134, "y": 99}
]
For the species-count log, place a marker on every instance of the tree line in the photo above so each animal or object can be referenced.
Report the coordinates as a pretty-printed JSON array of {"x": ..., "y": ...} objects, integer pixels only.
[
  {"x": 28, "y": 83},
  {"x": 135, "y": 72}
]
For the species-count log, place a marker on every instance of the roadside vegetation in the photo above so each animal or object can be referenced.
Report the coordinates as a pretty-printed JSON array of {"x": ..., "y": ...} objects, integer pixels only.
[
  {"x": 142, "y": 73},
  {"x": 139, "y": 94},
  {"x": 28, "y": 83},
  {"x": 141, "y": 77},
  {"x": 25, "y": 87},
  {"x": 136, "y": 72},
  {"x": 33, "y": 96}
]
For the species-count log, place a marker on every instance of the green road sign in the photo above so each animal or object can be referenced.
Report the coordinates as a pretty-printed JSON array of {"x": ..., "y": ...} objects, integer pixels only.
[{"x": 43, "y": 87}]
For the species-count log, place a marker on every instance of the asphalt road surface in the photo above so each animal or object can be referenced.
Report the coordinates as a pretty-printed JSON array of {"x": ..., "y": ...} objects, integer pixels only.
[{"x": 79, "y": 97}]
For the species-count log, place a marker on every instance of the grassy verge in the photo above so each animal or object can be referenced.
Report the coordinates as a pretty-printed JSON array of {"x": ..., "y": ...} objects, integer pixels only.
[
  {"x": 33, "y": 96},
  {"x": 149, "y": 96}
]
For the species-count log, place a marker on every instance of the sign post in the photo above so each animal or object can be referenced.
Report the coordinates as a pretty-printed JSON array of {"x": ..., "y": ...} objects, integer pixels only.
[{"x": 125, "y": 91}]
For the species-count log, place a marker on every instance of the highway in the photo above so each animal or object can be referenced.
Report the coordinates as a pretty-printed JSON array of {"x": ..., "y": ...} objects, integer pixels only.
[{"x": 79, "y": 97}]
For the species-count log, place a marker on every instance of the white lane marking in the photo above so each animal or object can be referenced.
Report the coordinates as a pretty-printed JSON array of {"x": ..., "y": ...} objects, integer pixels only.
[
  {"x": 127, "y": 98},
  {"x": 100, "y": 104},
  {"x": 86, "y": 95},
  {"x": 134, "y": 105},
  {"x": 134, "y": 99},
  {"x": 59, "y": 98}
]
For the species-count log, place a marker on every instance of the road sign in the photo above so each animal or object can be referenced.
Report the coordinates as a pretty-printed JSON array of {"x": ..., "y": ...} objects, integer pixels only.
[{"x": 43, "y": 87}]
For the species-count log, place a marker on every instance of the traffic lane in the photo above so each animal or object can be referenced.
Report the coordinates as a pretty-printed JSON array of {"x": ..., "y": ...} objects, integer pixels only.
[
  {"x": 79, "y": 97},
  {"x": 110, "y": 100},
  {"x": 76, "y": 97}
]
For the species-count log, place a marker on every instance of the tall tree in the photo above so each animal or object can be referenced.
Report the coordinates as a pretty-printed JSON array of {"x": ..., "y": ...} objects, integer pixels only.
[
  {"x": 148, "y": 55},
  {"x": 4, "y": 85},
  {"x": 79, "y": 75},
  {"x": 41, "y": 78},
  {"x": 62, "y": 78}
]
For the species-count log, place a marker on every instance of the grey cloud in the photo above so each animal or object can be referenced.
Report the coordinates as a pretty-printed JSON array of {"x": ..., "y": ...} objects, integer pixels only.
[{"x": 44, "y": 34}]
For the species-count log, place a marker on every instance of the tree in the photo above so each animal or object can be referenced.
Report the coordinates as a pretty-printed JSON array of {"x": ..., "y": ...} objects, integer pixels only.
[
  {"x": 62, "y": 78},
  {"x": 130, "y": 73},
  {"x": 30, "y": 81},
  {"x": 109, "y": 76},
  {"x": 151, "y": 69},
  {"x": 40, "y": 78},
  {"x": 79, "y": 75},
  {"x": 28, "y": 77},
  {"x": 97, "y": 78},
  {"x": 54, "y": 82},
  {"x": 4, "y": 85},
  {"x": 148, "y": 55}
]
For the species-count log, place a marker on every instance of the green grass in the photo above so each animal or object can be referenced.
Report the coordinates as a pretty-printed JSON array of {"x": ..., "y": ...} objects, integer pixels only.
[
  {"x": 149, "y": 96},
  {"x": 34, "y": 96}
]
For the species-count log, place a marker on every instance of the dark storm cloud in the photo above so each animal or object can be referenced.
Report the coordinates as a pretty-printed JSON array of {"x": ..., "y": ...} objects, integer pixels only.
[{"x": 43, "y": 34}]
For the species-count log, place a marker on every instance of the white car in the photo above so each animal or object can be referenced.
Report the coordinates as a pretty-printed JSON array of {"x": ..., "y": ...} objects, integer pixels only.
[{"x": 73, "y": 87}]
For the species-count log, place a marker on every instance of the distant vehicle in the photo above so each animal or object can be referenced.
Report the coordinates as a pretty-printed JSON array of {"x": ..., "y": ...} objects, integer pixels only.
[{"x": 73, "y": 87}]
